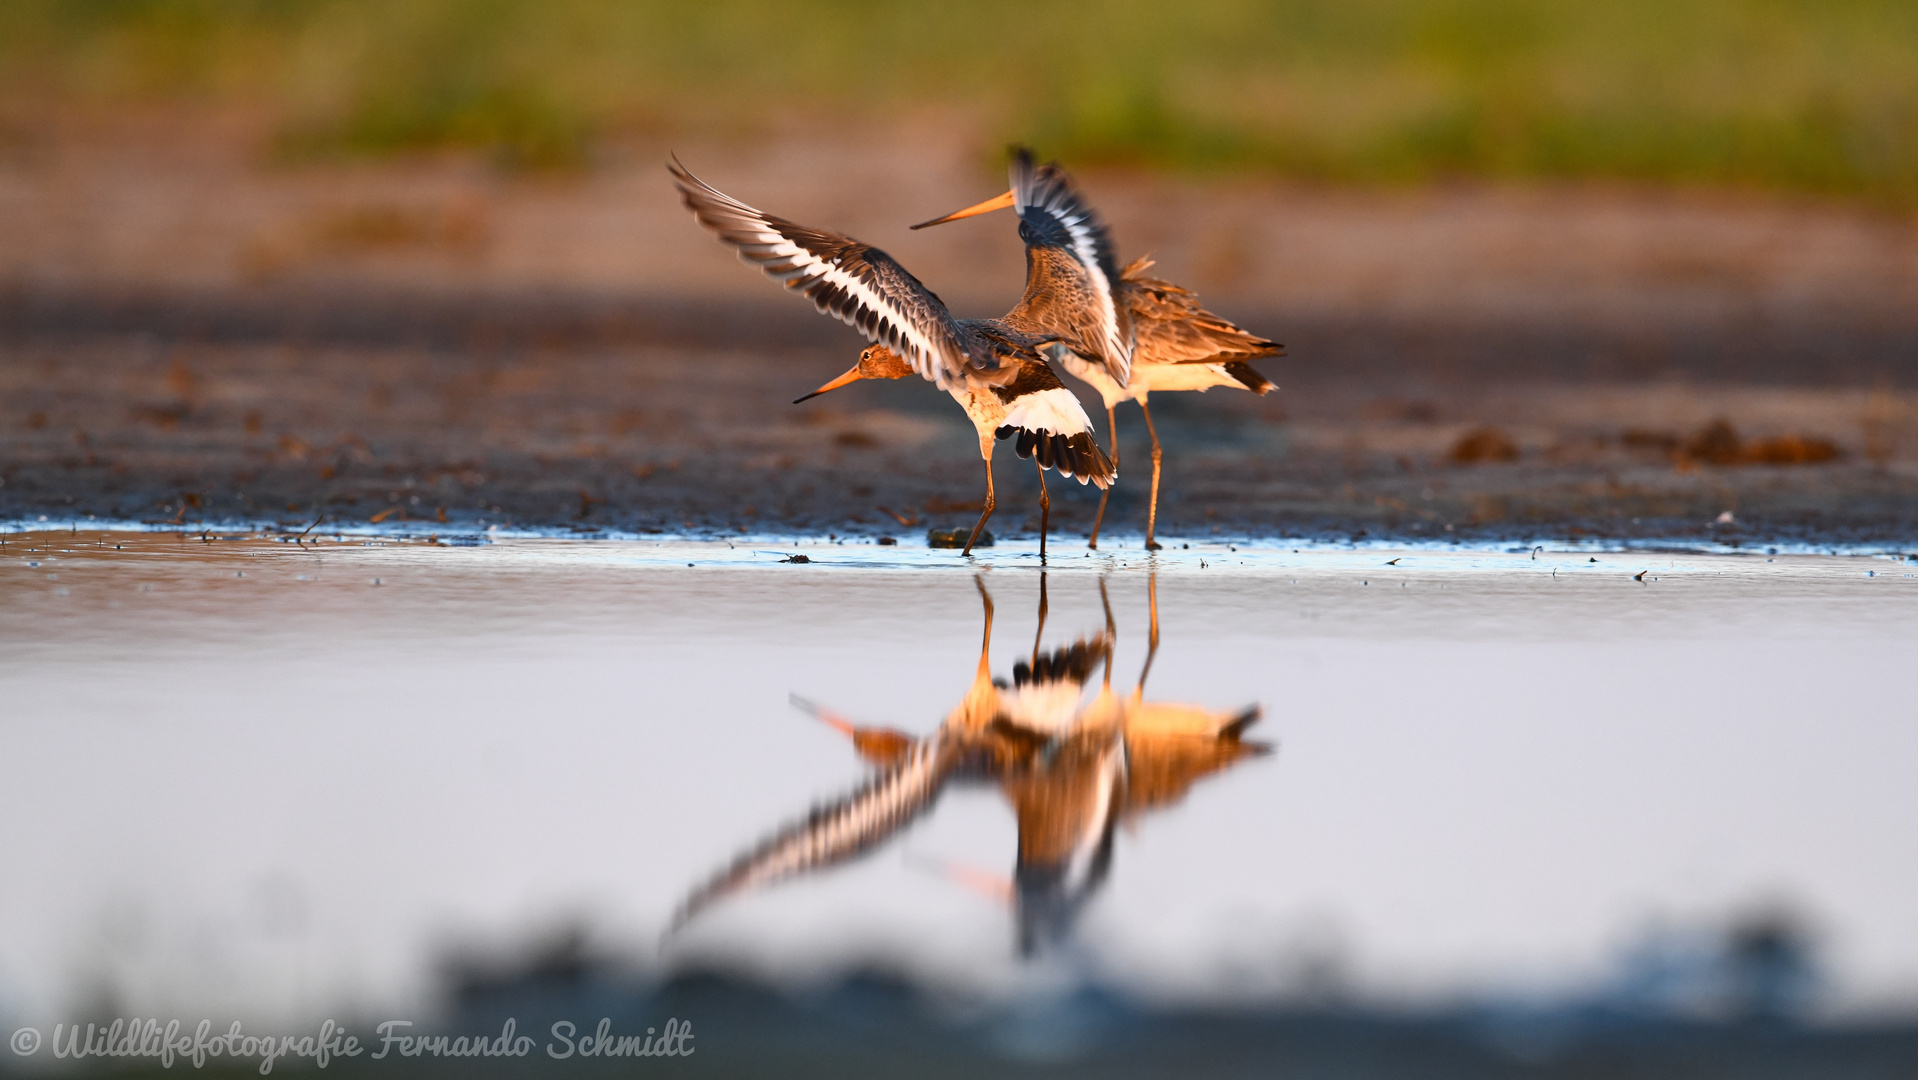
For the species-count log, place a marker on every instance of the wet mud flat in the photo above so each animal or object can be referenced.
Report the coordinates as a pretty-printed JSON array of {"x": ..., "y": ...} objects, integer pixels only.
[
  {"x": 672, "y": 417},
  {"x": 1519, "y": 810},
  {"x": 191, "y": 334}
]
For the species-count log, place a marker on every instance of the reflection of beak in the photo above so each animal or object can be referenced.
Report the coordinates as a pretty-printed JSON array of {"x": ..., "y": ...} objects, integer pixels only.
[
  {"x": 997, "y": 202},
  {"x": 849, "y": 377}
]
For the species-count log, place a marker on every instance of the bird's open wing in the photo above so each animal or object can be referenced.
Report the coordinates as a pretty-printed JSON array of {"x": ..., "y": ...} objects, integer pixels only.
[
  {"x": 834, "y": 832},
  {"x": 853, "y": 282},
  {"x": 1049, "y": 206}
]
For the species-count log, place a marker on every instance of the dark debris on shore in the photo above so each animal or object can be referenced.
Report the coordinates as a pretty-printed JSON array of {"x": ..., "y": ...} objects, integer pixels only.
[{"x": 586, "y": 416}]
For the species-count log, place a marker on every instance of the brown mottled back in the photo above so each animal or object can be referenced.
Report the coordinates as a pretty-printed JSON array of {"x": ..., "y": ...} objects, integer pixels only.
[
  {"x": 1059, "y": 302},
  {"x": 1173, "y": 328}
]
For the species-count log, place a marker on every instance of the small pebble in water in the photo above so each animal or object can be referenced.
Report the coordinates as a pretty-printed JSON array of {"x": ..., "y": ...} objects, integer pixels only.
[
  {"x": 376, "y": 581},
  {"x": 32, "y": 563}
]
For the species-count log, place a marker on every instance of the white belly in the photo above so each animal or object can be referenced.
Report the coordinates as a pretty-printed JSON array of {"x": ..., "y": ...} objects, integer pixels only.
[
  {"x": 1093, "y": 374},
  {"x": 1149, "y": 377}
]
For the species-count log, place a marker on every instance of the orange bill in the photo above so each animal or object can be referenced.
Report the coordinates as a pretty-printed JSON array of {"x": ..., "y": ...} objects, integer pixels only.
[
  {"x": 997, "y": 202},
  {"x": 849, "y": 377}
]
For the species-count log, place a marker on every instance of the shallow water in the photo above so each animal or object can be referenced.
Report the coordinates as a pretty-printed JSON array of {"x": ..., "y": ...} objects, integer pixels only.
[{"x": 280, "y": 779}]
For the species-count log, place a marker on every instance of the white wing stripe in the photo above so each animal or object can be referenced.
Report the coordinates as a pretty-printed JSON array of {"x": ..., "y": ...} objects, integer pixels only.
[
  {"x": 802, "y": 271},
  {"x": 834, "y": 832},
  {"x": 833, "y": 290},
  {"x": 1083, "y": 245}
]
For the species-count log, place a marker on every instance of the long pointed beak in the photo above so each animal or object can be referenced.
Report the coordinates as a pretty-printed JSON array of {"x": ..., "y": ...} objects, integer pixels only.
[
  {"x": 824, "y": 715},
  {"x": 852, "y": 376},
  {"x": 997, "y": 202}
]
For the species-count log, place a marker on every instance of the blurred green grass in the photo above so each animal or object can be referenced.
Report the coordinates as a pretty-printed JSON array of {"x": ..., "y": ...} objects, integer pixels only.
[{"x": 1818, "y": 97}]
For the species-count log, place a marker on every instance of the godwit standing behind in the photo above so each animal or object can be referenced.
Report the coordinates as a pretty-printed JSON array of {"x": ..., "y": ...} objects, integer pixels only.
[
  {"x": 1169, "y": 341},
  {"x": 992, "y": 369}
]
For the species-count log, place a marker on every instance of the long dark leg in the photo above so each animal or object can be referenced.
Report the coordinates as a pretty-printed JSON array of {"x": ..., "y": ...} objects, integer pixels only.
[
  {"x": 1045, "y": 508},
  {"x": 985, "y": 646},
  {"x": 1039, "y": 634},
  {"x": 1112, "y": 429},
  {"x": 1152, "y": 515},
  {"x": 1112, "y": 633},
  {"x": 990, "y": 502},
  {"x": 1152, "y": 647}
]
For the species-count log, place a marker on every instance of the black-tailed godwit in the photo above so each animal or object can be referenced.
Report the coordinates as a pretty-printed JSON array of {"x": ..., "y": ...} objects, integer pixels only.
[
  {"x": 1155, "y": 335},
  {"x": 992, "y": 369}
]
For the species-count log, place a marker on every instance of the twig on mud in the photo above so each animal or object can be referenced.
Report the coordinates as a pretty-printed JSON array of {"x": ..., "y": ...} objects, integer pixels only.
[
  {"x": 309, "y": 528},
  {"x": 785, "y": 556}
]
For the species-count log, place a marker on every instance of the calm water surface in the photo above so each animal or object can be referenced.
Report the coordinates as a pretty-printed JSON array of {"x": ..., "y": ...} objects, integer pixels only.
[{"x": 278, "y": 780}]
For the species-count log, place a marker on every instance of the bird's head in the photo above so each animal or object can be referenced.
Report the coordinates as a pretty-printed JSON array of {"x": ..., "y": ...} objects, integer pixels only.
[{"x": 875, "y": 362}]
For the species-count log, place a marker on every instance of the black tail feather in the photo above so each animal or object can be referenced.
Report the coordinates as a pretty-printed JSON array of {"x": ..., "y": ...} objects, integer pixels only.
[
  {"x": 1075, "y": 456},
  {"x": 1073, "y": 663},
  {"x": 1237, "y": 725},
  {"x": 1252, "y": 380}
]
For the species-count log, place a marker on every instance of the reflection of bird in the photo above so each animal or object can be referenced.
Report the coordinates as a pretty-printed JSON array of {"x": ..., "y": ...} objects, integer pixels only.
[
  {"x": 1073, "y": 770},
  {"x": 989, "y": 367},
  {"x": 1156, "y": 336}
]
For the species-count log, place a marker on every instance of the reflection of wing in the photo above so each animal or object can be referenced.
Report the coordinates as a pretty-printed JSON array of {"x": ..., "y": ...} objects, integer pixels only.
[
  {"x": 1064, "y": 800},
  {"x": 1173, "y": 329},
  {"x": 835, "y": 832},
  {"x": 1171, "y": 747},
  {"x": 857, "y": 284},
  {"x": 1066, "y": 803}
]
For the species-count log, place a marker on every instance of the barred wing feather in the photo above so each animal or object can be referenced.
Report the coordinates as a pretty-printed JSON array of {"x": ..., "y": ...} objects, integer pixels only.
[
  {"x": 834, "y": 832},
  {"x": 855, "y": 283},
  {"x": 1047, "y": 204}
]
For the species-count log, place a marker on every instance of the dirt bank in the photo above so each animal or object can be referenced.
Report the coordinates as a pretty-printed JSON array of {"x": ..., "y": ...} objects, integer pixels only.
[{"x": 188, "y": 334}]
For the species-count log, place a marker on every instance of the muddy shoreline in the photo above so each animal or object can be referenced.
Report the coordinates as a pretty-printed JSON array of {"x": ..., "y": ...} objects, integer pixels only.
[
  {"x": 188, "y": 333},
  {"x": 586, "y": 412}
]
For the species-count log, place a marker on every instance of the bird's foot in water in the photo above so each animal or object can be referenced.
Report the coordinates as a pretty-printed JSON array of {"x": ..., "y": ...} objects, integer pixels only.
[{"x": 1153, "y": 545}]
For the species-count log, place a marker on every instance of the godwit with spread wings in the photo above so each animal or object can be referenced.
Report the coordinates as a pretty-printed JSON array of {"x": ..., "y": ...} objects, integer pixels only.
[
  {"x": 1140, "y": 333},
  {"x": 992, "y": 369}
]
